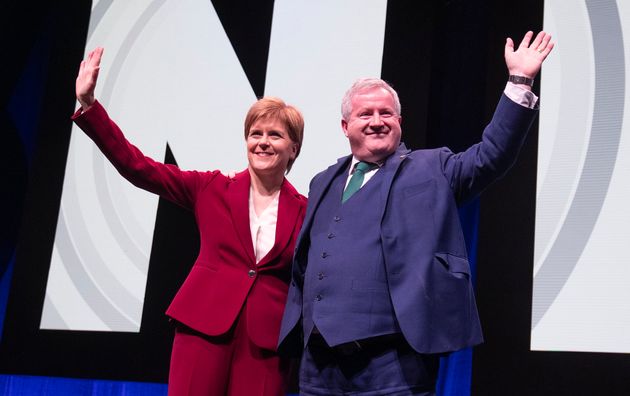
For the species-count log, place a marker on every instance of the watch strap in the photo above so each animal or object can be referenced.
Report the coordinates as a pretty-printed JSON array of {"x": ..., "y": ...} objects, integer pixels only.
[{"x": 521, "y": 80}]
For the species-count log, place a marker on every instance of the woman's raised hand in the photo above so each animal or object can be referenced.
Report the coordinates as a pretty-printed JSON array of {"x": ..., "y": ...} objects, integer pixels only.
[{"x": 86, "y": 79}]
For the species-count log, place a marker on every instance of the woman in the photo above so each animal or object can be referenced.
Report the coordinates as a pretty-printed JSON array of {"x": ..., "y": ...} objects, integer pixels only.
[{"x": 228, "y": 311}]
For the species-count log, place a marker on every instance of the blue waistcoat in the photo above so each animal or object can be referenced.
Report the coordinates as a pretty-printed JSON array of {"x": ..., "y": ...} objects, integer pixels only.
[{"x": 345, "y": 291}]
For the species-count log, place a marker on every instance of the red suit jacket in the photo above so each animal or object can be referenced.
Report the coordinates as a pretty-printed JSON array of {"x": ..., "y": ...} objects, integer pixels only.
[{"x": 225, "y": 276}]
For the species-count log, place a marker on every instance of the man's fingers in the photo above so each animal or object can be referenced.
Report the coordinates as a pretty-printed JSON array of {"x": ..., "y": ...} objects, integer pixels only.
[
  {"x": 547, "y": 49},
  {"x": 537, "y": 41},
  {"x": 509, "y": 46},
  {"x": 544, "y": 45},
  {"x": 526, "y": 39}
]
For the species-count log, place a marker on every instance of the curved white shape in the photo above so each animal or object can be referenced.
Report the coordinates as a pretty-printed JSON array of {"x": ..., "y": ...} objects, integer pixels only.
[{"x": 170, "y": 75}]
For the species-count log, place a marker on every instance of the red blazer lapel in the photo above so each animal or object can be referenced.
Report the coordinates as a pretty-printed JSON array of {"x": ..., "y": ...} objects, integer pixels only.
[
  {"x": 238, "y": 201},
  {"x": 289, "y": 208}
]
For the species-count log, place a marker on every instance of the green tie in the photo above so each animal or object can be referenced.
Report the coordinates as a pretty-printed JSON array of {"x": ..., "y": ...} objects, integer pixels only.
[{"x": 357, "y": 179}]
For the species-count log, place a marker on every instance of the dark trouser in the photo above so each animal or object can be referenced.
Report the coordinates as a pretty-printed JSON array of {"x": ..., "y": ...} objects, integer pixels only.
[{"x": 384, "y": 365}]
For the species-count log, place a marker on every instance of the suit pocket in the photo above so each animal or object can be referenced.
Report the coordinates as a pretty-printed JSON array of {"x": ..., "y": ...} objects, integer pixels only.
[{"x": 456, "y": 265}]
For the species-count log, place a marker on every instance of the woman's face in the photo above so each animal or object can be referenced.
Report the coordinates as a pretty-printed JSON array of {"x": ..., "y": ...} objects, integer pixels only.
[{"x": 269, "y": 147}]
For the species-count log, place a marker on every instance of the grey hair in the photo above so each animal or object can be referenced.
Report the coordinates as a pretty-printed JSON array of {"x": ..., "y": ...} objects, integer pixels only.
[{"x": 364, "y": 84}]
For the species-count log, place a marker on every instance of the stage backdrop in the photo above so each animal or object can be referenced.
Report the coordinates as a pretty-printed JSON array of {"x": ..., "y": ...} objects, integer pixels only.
[
  {"x": 581, "y": 298},
  {"x": 97, "y": 261}
]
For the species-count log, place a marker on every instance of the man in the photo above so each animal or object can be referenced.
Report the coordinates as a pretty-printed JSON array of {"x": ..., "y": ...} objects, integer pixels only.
[{"x": 381, "y": 282}]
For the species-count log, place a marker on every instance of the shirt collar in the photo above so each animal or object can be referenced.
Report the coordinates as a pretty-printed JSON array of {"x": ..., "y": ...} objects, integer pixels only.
[{"x": 355, "y": 161}]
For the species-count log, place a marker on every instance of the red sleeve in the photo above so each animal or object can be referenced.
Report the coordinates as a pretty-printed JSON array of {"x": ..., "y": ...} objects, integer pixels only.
[{"x": 168, "y": 181}]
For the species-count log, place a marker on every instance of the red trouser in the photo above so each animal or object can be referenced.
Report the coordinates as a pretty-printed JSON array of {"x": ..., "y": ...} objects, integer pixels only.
[{"x": 226, "y": 365}]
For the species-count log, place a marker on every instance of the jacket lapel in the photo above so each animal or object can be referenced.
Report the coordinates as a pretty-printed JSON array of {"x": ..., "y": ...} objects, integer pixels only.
[
  {"x": 319, "y": 185},
  {"x": 318, "y": 188},
  {"x": 238, "y": 201},
  {"x": 390, "y": 169},
  {"x": 289, "y": 208}
]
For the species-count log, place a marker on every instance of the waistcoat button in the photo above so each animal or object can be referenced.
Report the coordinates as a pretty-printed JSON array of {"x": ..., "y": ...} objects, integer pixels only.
[{"x": 251, "y": 273}]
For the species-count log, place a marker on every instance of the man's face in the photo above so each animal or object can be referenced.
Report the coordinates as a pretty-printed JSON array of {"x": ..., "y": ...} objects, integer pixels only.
[{"x": 374, "y": 126}]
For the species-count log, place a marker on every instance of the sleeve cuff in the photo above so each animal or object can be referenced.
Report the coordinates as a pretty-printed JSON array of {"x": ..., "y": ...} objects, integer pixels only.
[{"x": 521, "y": 96}]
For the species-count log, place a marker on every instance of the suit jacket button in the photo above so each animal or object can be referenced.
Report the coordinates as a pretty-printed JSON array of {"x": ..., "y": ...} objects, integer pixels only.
[{"x": 251, "y": 273}]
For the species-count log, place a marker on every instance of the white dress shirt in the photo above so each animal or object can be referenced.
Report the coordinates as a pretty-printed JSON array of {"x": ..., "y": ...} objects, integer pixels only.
[{"x": 263, "y": 227}]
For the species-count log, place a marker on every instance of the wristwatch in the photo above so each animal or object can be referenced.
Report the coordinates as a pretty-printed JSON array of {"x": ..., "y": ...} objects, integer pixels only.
[{"x": 521, "y": 80}]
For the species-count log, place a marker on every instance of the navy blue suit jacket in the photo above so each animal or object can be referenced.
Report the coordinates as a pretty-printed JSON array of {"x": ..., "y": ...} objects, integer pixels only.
[{"x": 423, "y": 244}]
